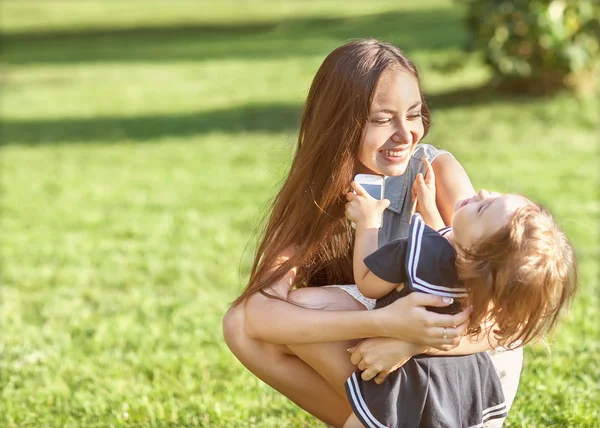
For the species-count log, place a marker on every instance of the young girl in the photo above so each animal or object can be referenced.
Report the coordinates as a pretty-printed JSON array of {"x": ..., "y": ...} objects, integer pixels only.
[{"x": 504, "y": 255}]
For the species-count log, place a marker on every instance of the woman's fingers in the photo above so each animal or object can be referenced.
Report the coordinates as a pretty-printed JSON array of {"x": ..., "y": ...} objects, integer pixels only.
[
  {"x": 440, "y": 320},
  {"x": 381, "y": 377},
  {"x": 356, "y": 357},
  {"x": 460, "y": 319},
  {"x": 369, "y": 374},
  {"x": 425, "y": 299},
  {"x": 447, "y": 338}
]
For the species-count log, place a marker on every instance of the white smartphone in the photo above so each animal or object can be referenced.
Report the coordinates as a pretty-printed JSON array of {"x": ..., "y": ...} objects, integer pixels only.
[{"x": 373, "y": 184}]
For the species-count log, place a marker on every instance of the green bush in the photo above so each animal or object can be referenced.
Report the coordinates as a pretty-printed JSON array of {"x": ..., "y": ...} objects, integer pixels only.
[{"x": 538, "y": 45}]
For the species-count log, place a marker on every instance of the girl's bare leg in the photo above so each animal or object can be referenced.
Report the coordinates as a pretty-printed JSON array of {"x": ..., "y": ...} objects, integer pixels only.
[{"x": 285, "y": 372}]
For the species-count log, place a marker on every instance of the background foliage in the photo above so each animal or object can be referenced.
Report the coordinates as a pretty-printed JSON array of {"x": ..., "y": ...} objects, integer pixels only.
[
  {"x": 140, "y": 144},
  {"x": 538, "y": 45}
]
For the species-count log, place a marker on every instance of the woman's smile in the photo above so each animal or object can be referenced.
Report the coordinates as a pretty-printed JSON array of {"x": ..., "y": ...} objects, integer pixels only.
[{"x": 395, "y": 155}]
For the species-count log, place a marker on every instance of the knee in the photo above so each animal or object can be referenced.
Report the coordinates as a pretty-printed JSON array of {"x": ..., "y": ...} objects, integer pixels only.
[{"x": 234, "y": 328}]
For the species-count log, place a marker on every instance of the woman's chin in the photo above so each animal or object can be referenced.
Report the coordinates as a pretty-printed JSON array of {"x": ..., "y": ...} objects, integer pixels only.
[
  {"x": 394, "y": 171},
  {"x": 387, "y": 169}
]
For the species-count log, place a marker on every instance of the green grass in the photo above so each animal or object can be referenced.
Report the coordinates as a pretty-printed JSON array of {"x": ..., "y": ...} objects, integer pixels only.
[{"x": 140, "y": 143}]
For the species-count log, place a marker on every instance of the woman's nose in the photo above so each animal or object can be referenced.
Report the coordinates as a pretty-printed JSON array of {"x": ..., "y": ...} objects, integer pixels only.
[{"x": 402, "y": 136}]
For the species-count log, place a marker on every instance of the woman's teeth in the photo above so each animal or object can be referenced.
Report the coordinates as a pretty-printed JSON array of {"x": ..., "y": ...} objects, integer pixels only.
[{"x": 394, "y": 153}]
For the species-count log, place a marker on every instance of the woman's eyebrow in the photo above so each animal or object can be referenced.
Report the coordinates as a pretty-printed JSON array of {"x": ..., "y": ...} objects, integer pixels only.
[
  {"x": 384, "y": 110},
  {"x": 392, "y": 111}
]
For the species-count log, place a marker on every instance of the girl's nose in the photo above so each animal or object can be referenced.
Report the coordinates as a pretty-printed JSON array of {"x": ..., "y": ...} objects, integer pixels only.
[{"x": 482, "y": 194}]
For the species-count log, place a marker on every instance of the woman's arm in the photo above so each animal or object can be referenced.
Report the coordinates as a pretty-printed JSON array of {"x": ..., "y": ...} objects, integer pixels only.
[
  {"x": 468, "y": 345},
  {"x": 297, "y": 325},
  {"x": 452, "y": 184},
  {"x": 484, "y": 341},
  {"x": 378, "y": 357}
]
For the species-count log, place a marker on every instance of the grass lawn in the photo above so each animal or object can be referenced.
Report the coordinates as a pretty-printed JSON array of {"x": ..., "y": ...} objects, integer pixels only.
[{"x": 140, "y": 144}]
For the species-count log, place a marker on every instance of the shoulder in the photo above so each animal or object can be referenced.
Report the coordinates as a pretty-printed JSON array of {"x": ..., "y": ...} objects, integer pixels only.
[{"x": 429, "y": 152}]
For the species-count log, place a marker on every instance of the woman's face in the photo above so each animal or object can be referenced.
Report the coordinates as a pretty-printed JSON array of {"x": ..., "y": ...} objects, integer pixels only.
[{"x": 394, "y": 125}]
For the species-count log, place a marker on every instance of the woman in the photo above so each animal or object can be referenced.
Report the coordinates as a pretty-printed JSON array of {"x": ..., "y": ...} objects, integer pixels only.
[{"x": 365, "y": 112}]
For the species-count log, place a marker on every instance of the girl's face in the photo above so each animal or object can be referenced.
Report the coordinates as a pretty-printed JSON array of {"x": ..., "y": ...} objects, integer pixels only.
[
  {"x": 483, "y": 215},
  {"x": 394, "y": 126}
]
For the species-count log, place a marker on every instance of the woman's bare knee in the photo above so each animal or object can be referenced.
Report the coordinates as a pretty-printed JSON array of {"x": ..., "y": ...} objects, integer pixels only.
[{"x": 234, "y": 327}]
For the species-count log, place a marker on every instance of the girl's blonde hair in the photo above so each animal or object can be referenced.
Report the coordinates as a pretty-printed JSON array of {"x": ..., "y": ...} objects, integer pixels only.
[{"x": 521, "y": 277}]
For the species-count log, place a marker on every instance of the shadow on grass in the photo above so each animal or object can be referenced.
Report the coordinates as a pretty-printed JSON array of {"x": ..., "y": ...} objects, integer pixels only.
[
  {"x": 486, "y": 94},
  {"x": 250, "y": 118},
  {"x": 480, "y": 95},
  {"x": 431, "y": 29}
]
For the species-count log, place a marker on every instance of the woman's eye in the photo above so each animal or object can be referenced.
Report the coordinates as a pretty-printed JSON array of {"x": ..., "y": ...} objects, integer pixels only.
[
  {"x": 482, "y": 206},
  {"x": 414, "y": 116},
  {"x": 381, "y": 121}
]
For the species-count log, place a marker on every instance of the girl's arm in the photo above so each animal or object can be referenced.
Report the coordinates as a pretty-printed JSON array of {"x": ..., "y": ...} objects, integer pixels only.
[
  {"x": 452, "y": 184},
  {"x": 370, "y": 285},
  {"x": 424, "y": 196},
  {"x": 366, "y": 212}
]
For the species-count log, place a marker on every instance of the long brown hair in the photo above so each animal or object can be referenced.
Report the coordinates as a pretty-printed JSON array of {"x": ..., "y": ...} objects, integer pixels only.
[
  {"x": 526, "y": 273},
  {"x": 307, "y": 214}
]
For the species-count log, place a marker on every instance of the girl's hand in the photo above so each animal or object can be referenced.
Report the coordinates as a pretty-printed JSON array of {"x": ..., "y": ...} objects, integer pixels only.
[
  {"x": 363, "y": 209},
  {"x": 380, "y": 356},
  {"x": 423, "y": 191},
  {"x": 408, "y": 320}
]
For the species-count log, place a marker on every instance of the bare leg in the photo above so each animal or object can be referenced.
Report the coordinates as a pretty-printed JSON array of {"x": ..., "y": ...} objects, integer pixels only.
[
  {"x": 330, "y": 360},
  {"x": 286, "y": 373},
  {"x": 353, "y": 422}
]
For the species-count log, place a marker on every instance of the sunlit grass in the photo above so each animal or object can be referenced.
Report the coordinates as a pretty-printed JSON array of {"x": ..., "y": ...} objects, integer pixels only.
[{"x": 135, "y": 168}]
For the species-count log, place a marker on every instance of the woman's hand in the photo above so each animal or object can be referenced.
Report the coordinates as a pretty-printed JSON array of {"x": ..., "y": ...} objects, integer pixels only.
[
  {"x": 407, "y": 319},
  {"x": 380, "y": 356},
  {"x": 363, "y": 209}
]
